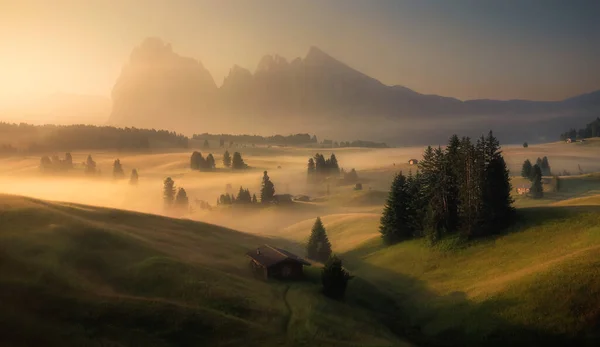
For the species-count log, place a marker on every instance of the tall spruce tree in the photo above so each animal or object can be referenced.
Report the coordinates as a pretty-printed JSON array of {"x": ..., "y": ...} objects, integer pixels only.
[
  {"x": 536, "y": 191},
  {"x": 526, "y": 169},
  {"x": 168, "y": 192},
  {"x": 210, "y": 162},
  {"x": 181, "y": 200},
  {"x": 267, "y": 192},
  {"x": 206, "y": 145},
  {"x": 237, "y": 162},
  {"x": 469, "y": 188},
  {"x": 310, "y": 170},
  {"x": 318, "y": 247},
  {"x": 254, "y": 200},
  {"x": 197, "y": 161},
  {"x": 334, "y": 278},
  {"x": 395, "y": 223},
  {"x": 90, "y": 165},
  {"x": 68, "y": 160},
  {"x": 545, "y": 167},
  {"x": 118, "y": 172},
  {"x": 538, "y": 162},
  {"x": 226, "y": 159}
]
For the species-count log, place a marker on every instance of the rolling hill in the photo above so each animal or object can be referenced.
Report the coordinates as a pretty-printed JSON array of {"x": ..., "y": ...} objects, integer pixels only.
[{"x": 75, "y": 275}]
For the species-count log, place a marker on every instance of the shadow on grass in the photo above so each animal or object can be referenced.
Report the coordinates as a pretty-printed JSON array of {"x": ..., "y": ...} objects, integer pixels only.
[{"x": 414, "y": 312}]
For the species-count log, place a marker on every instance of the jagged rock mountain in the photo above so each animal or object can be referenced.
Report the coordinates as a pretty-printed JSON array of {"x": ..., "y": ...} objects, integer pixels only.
[{"x": 318, "y": 93}]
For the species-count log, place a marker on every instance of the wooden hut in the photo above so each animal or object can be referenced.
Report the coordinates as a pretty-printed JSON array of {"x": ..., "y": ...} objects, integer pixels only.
[{"x": 272, "y": 262}]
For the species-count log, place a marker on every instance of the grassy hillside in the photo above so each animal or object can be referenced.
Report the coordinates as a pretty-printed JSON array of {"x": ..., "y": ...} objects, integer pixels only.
[
  {"x": 76, "y": 275},
  {"x": 538, "y": 285}
]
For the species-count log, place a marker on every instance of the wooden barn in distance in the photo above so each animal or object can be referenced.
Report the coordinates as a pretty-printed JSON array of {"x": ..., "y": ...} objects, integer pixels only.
[{"x": 272, "y": 262}]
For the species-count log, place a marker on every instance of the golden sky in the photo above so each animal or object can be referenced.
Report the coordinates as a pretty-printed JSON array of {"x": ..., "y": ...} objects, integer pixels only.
[{"x": 465, "y": 49}]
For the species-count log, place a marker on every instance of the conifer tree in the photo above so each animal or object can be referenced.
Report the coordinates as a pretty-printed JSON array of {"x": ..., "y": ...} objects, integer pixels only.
[
  {"x": 221, "y": 142},
  {"x": 90, "y": 165},
  {"x": 181, "y": 200},
  {"x": 334, "y": 168},
  {"x": 45, "y": 164},
  {"x": 254, "y": 200},
  {"x": 334, "y": 278},
  {"x": 267, "y": 192},
  {"x": 133, "y": 179},
  {"x": 545, "y": 167},
  {"x": 318, "y": 247},
  {"x": 525, "y": 145},
  {"x": 538, "y": 162},
  {"x": 395, "y": 223},
  {"x": 206, "y": 145},
  {"x": 311, "y": 170},
  {"x": 68, "y": 160},
  {"x": 197, "y": 161},
  {"x": 526, "y": 170},
  {"x": 118, "y": 172},
  {"x": 237, "y": 162},
  {"x": 168, "y": 192},
  {"x": 536, "y": 190},
  {"x": 210, "y": 162},
  {"x": 226, "y": 159}
]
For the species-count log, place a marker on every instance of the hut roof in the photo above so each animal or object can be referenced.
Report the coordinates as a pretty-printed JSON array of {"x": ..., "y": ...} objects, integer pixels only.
[{"x": 268, "y": 256}]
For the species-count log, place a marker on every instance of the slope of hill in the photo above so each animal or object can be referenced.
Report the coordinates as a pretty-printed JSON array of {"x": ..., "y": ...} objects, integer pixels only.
[
  {"x": 75, "y": 275},
  {"x": 537, "y": 286},
  {"x": 159, "y": 88}
]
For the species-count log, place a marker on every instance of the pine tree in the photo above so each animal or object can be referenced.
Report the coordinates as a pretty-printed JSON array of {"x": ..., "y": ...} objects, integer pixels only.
[
  {"x": 133, "y": 179},
  {"x": 318, "y": 247},
  {"x": 538, "y": 162},
  {"x": 118, "y": 172},
  {"x": 221, "y": 143},
  {"x": 226, "y": 159},
  {"x": 254, "y": 200},
  {"x": 333, "y": 167},
  {"x": 181, "y": 200},
  {"x": 545, "y": 167},
  {"x": 237, "y": 162},
  {"x": 206, "y": 145},
  {"x": 469, "y": 187},
  {"x": 197, "y": 161},
  {"x": 526, "y": 170},
  {"x": 267, "y": 192},
  {"x": 168, "y": 192},
  {"x": 210, "y": 162},
  {"x": 536, "y": 190},
  {"x": 395, "y": 223},
  {"x": 68, "y": 160},
  {"x": 334, "y": 278},
  {"x": 90, "y": 165}
]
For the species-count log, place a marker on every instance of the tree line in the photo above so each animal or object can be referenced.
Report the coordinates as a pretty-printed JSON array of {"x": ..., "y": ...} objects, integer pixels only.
[
  {"x": 590, "y": 130},
  {"x": 49, "y": 138},
  {"x": 267, "y": 194},
  {"x": 355, "y": 143},
  {"x": 56, "y": 165},
  {"x": 198, "y": 162},
  {"x": 295, "y": 139},
  {"x": 461, "y": 190}
]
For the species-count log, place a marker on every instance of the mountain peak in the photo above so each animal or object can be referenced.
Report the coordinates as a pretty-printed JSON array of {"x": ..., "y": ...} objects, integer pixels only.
[
  {"x": 316, "y": 55},
  {"x": 272, "y": 62}
]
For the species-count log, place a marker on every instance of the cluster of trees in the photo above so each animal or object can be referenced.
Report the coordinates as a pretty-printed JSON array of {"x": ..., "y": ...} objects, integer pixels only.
[
  {"x": 197, "y": 162},
  {"x": 173, "y": 198},
  {"x": 334, "y": 277},
  {"x": 296, "y": 139},
  {"x": 267, "y": 194},
  {"x": 320, "y": 168},
  {"x": 243, "y": 197},
  {"x": 591, "y": 130},
  {"x": 56, "y": 164},
  {"x": 49, "y": 138},
  {"x": 543, "y": 164},
  {"x": 463, "y": 189}
]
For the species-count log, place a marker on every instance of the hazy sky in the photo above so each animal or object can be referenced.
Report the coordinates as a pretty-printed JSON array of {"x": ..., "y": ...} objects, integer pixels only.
[{"x": 531, "y": 49}]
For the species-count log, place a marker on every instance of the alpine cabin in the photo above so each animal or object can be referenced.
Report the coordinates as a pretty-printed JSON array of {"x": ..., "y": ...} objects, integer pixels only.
[{"x": 272, "y": 262}]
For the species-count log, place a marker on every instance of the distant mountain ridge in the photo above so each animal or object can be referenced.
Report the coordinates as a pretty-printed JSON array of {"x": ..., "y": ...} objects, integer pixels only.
[{"x": 317, "y": 93}]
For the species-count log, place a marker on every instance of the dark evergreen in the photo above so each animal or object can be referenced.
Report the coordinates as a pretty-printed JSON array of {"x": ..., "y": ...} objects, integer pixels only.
[
  {"x": 395, "y": 224},
  {"x": 527, "y": 169},
  {"x": 181, "y": 200},
  {"x": 197, "y": 161},
  {"x": 68, "y": 160},
  {"x": 237, "y": 162},
  {"x": 254, "y": 200},
  {"x": 90, "y": 166},
  {"x": 334, "y": 278},
  {"x": 210, "y": 162},
  {"x": 536, "y": 191},
  {"x": 226, "y": 159},
  {"x": 168, "y": 192},
  {"x": 206, "y": 145},
  {"x": 525, "y": 145},
  {"x": 267, "y": 192},
  {"x": 118, "y": 172},
  {"x": 545, "y": 167},
  {"x": 318, "y": 247}
]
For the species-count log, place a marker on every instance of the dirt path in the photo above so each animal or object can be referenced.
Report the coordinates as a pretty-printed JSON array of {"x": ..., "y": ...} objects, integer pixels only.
[{"x": 497, "y": 284}]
